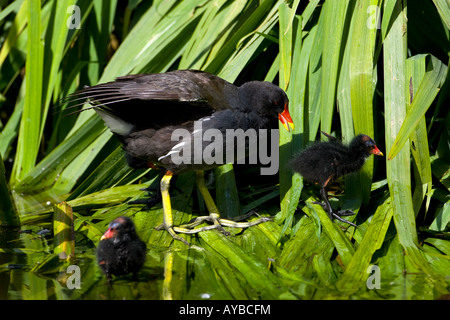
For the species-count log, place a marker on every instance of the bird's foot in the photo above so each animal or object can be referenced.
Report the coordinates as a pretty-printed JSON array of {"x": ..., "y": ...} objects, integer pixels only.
[
  {"x": 171, "y": 231},
  {"x": 219, "y": 223},
  {"x": 338, "y": 214}
]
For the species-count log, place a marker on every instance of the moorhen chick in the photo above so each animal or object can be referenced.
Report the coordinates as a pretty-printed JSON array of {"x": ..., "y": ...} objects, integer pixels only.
[
  {"x": 323, "y": 162},
  {"x": 120, "y": 251},
  {"x": 146, "y": 110}
]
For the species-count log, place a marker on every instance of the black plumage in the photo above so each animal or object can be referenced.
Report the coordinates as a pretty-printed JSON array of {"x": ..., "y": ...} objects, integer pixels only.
[
  {"x": 145, "y": 110},
  {"x": 120, "y": 251},
  {"x": 322, "y": 162}
]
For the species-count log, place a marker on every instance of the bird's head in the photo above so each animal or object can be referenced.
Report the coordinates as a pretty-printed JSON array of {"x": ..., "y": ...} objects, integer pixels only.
[
  {"x": 119, "y": 229},
  {"x": 268, "y": 99},
  {"x": 366, "y": 144}
]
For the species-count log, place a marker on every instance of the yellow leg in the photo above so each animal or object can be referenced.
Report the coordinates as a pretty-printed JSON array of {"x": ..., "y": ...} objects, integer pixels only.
[
  {"x": 214, "y": 216},
  {"x": 167, "y": 208},
  {"x": 200, "y": 180}
]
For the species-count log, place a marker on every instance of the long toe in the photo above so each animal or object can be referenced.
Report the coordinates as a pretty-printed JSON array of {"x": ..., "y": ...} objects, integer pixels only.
[
  {"x": 172, "y": 232},
  {"x": 346, "y": 213},
  {"x": 338, "y": 217},
  {"x": 324, "y": 206},
  {"x": 213, "y": 218},
  {"x": 218, "y": 223}
]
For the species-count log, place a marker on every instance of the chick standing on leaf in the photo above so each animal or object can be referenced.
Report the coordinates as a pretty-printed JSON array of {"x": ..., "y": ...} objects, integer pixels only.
[{"x": 323, "y": 162}]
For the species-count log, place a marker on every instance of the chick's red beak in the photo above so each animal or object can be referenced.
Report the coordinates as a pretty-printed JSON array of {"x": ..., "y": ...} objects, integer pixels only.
[
  {"x": 376, "y": 151},
  {"x": 108, "y": 234},
  {"x": 285, "y": 118}
]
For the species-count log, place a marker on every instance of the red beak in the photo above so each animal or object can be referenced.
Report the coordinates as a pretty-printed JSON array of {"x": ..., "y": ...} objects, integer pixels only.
[
  {"x": 107, "y": 235},
  {"x": 376, "y": 151},
  {"x": 285, "y": 118}
]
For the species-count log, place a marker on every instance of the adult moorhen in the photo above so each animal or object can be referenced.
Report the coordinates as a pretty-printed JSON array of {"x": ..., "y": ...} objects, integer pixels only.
[
  {"x": 322, "y": 162},
  {"x": 146, "y": 110},
  {"x": 120, "y": 251}
]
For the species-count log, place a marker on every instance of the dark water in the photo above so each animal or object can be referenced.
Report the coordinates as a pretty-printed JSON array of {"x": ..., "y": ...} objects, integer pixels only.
[{"x": 30, "y": 271}]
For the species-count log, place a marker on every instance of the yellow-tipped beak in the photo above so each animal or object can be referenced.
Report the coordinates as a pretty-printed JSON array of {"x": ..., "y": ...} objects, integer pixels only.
[
  {"x": 285, "y": 118},
  {"x": 377, "y": 151},
  {"x": 107, "y": 235}
]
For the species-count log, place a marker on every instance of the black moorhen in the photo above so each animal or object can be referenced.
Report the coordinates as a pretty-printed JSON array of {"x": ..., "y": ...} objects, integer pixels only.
[
  {"x": 120, "y": 251},
  {"x": 145, "y": 110},
  {"x": 322, "y": 162}
]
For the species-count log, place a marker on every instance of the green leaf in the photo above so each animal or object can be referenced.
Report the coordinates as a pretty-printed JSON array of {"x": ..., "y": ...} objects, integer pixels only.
[
  {"x": 442, "y": 218},
  {"x": 356, "y": 272},
  {"x": 416, "y": 67},
  {"x": 30, "y": 126},
  {"x": 443, "y": 8},
  {"x": 334, "y": 232},
  {"x": 285, "y": 44},
  {"x": 362, "y": 89},
  {"x": 334, "y": 21},
  {"x": 255, "y": 273},
  {"x": 290, "y": 142},
  {"x": 425, "y": 95},
  {"x": 398, "y": 169}
]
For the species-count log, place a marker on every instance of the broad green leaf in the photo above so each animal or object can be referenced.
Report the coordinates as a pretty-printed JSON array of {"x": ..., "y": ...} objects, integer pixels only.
[
  {"x": 362, "y": 86},
  {"x": 443, "y": 8},
  {"x": 290, "y": 49},
  {"x": 30, "y": 126},
  {"x": 426, "y": 93},
  {"x": 255, "y": 273},
  {"x": 416, "y": 67},
  {"x": 334, "y": 21},
  {"x": 442, "y": 218},
  {"x": 19, "y": 23},
  {"x": 47, "y": 171},
  {"x": 228, "y": 64},
  {"x": 343, "y": 245},
  {"x": 356, "y": 272},
  {"x": 398, "y": 169},
  {"x": 286, "y": 43}
]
